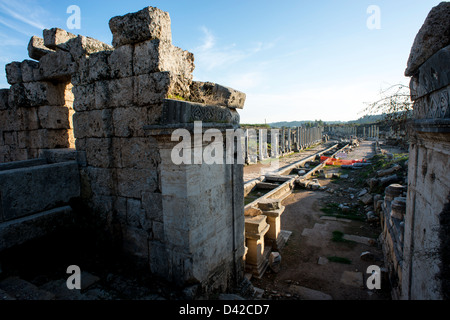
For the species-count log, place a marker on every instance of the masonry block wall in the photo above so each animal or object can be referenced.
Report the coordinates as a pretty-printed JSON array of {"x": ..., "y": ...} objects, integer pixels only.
[
  {"x": 35, "y": 113},
  {"x": 426, "y": 255},
  {"x": 85, "y": 94}
]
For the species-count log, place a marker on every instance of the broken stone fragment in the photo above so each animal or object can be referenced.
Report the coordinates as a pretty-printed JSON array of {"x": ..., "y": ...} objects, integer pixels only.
[
  {"x": 382, "y": 173},
  {"x": 157, "y": 56},
  {"x": 82, "y": 46},
  {"x": 367, "y": 256},
  {"x": 215, "y": 94},
  {"x": 275, "y": 262},
  {"x": 252, "y": 212},
  {"x": 398, "y": 208},
  {"x": 366, "y": 199},
  {"x": 269, "y": 204},
  {"x": 432, "y": 36},
  {"x": 37, "y": 49},
  {"x": 146, "y": 24},
  {"x": 57, "y": 38}
]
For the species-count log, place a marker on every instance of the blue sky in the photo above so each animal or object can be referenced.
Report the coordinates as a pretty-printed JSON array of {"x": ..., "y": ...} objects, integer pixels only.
[{"x": 295, "y": 60}]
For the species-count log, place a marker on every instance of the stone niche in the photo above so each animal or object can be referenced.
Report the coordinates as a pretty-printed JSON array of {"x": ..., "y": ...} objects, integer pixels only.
[
  {"x": 425, "y": 272},
  {"x": 115, "y": 105}
]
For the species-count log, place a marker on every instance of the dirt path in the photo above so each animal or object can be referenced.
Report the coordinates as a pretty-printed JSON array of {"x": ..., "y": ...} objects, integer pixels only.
[{"x": 305, "y": 262}]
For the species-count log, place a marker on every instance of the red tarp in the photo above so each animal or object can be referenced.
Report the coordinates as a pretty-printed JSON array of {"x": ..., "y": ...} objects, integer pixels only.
[{"x": 339, "y": 162}]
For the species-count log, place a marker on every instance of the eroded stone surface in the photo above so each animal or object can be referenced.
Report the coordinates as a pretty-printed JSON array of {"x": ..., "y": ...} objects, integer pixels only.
[
  {"x": 146, "y": 24},
  {"x": 432, "y": 36}
]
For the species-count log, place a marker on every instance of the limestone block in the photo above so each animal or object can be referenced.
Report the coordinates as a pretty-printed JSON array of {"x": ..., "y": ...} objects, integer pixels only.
[
  {"x": 121, "y": 62},
  {"x": 136, "y": 216},
  {"x": 101, "y": 152},
  {"x": 129, "y": 122},
  {"x": 10, "y": 138},
  {"x": 44, "y": 139},
  {"x": 151, "y": 88},
  {"x": 256, "y": 226},
  {"x": 30, "y": 71},
  {"x": 158, "y": 56},
  {"x": 26, "y": 119},
  {"x": 139, "y": 153},
  {"x": 177, "y": 111},
  {"x": 157, "y": 232},
  {"x": 57, "y": 66},
  {"x": 54, "y": 117},
  {"x": 57, "y": 38},
  {"x": 114, "y": 93},
  {"x": 101, "y": 180},
  {"x": 252, "y": 212},
  {"x": 133, "y": 183},
  {"x": 7, "y": 120},
  {"x": 270, "y": 204},
  {"x": 152, "y": 204},
  {"x": 19, "y": 119},
  {"x": 432, "y": 36},
  {"x": 36, "y": 94},
  {"x": 37, "y": 48},
  {"x": 99, "y": 66},
  {"x": 31, "y": 190},
  {"x": 13, "y": 72},
  {"x": 215, "y": 94},
  {"x": 95, "y": 123},
  {"x": 4, "y": 97},
  {"x": 84, "y": 97},
  {"x": 84, "y": 46},
  {"x": 148, "y": 23}
]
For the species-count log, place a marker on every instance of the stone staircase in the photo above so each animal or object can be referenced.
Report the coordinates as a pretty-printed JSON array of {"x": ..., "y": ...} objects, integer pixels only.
[{"x": 114, "y": 287}]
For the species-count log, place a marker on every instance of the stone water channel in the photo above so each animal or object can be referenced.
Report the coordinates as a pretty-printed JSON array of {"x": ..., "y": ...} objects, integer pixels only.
[{"x": 263, "y": 209}]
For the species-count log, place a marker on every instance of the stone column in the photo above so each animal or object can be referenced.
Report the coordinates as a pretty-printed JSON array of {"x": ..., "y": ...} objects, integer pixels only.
[
  {"x": 262, "y": 143},
  {"x": 202, "y": 200},
  {"x": 256, "y": 259},
  {"x": 273, "y": 209},
  {"x": 275, "y": 142}
]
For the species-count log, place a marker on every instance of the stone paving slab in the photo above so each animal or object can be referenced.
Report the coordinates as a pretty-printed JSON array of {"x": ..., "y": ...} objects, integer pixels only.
[{"x": 309, "y": 294}]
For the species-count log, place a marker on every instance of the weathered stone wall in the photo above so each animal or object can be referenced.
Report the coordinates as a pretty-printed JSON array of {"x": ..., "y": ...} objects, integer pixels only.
[
  {"x": 425, "y": 273},
  {"x": 35, "y": 114},
  {"x": 185, "y": 223}
]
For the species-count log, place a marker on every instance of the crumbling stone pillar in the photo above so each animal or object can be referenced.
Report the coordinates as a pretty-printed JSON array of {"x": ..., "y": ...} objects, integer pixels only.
[
  {"x": 256, "y": 259},
  {"x": 202, "y": 203},
  {"x": 273, "y": 210},
  {"x": 426, "y": 272}
]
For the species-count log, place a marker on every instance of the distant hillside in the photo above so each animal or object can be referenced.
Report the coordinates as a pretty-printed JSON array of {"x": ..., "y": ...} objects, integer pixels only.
[
  {"x": 368, "y": 119},
  {"x": 363, "y": 120},
  {"x": 290, "y": 124}
]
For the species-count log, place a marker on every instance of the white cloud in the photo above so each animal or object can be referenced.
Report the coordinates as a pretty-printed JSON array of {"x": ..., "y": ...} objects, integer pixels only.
[
  {"x": 210, "y": 56},
  {"x": 27, "y": 12}
]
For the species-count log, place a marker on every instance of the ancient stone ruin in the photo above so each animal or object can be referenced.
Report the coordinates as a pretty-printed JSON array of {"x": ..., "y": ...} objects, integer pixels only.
[
  {"x": 90, "y": 124},
  {"x": 416, "y": 217}
]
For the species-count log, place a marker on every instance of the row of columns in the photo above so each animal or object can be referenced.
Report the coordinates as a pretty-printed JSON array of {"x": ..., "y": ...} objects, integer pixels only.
[{"x": 257, "y": 142}]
